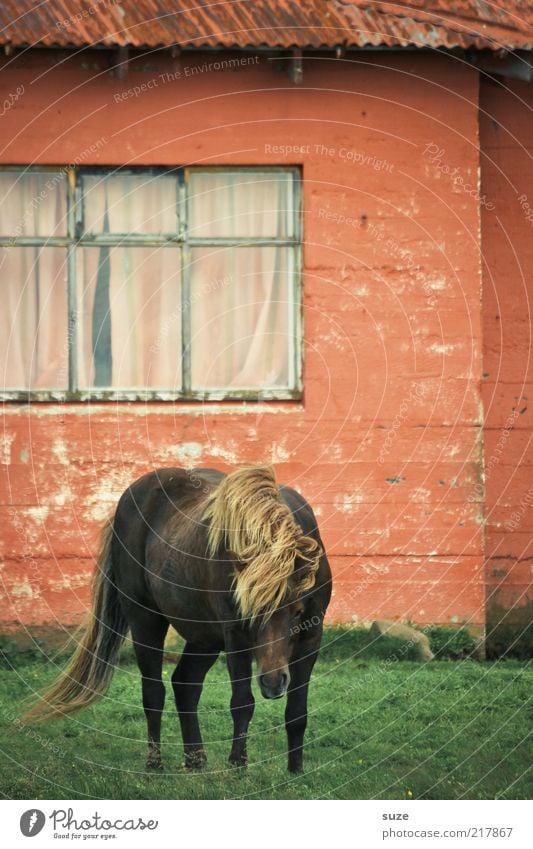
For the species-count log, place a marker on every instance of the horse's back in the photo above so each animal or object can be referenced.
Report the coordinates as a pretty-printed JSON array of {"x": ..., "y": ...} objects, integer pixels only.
[
  {"x": 159, "y": 528},
  {"x": 148, "y": 510},
  {"x": 156, "y": 496},
  {"x": 172, "y": 482}
]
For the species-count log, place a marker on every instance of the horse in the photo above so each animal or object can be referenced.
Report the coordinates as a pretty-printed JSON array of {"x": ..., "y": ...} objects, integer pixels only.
[{"x": 233, "y": 562}]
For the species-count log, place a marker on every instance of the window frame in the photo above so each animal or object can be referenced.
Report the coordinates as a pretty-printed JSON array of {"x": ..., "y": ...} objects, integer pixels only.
[{"x": 75, "y": 239}]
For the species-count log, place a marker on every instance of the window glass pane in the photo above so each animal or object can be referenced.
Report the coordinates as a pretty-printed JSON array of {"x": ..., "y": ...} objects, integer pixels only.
[
  {"x": 241, "y": 203},
  {"x": 241, "y": 311},
  {"x": 33, "y": 203},
  {"x": 129, "y": 326},
  {"x": 33, "y": 319},
  {"x": 128, "y": 203}
]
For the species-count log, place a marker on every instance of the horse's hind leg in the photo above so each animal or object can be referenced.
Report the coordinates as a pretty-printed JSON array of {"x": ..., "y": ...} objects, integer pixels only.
[
  {"x": 187, "y": 681},
  {"x": 148, "y": 632}
]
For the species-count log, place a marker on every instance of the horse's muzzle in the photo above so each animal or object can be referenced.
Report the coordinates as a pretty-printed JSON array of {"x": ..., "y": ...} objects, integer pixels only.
[{"x": 276, "y": 689}]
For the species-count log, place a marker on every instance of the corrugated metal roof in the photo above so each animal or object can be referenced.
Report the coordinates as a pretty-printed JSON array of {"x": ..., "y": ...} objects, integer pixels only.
[
  {"x": 507, "y": 24},
  {"x": 264, "y": 23}
]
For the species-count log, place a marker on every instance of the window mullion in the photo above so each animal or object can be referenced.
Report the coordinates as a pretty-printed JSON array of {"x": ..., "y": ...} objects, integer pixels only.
[
  {"x": 72, "y": 329},
  {"x": 243, "y": 242},
  {"x": 186, "y": 380},
  {"x": 186, "y": 319},
  {"x": 295, "y": 287}
]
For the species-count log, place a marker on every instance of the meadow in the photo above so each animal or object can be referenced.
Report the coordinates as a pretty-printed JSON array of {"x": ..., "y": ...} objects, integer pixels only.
[{"x": 381, "y": 726}]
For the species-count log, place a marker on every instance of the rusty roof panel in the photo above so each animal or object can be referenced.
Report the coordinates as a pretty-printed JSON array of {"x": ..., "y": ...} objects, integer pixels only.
[
  {"x": 152, "y": 23},
  {"x": 444, "y": 23},
  {"x": 264, "y": 23}
]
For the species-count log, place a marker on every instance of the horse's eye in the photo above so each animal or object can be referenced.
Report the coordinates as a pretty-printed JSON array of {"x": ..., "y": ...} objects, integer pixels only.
[{"x": 297, "y": 615}]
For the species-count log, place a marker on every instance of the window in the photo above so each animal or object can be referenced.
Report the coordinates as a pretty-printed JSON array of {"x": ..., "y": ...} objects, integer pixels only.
[{"x": 150, "y": 283}]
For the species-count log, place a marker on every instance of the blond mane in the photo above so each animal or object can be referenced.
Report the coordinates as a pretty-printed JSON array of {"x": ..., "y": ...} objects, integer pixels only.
[{"x": 248, "y": 518}]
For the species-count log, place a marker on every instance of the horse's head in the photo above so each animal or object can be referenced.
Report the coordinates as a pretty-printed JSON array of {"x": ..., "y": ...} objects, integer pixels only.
[
  {"x": 275, "y": 564},
  {"x": 273, "y": 642}
]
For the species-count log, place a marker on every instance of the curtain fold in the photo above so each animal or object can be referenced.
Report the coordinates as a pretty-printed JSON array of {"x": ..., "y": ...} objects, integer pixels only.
[
  {"x": 134, "y": 204},
  {"x": 144, "y": 317},
  {"x": 239, "y": 317}
]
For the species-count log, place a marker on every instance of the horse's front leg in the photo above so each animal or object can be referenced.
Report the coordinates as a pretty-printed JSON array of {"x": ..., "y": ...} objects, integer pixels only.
[
  {"x": 296, "y": 710},
  {"x": 187, "y": 681},
  {"x": 242, "y": 701}
]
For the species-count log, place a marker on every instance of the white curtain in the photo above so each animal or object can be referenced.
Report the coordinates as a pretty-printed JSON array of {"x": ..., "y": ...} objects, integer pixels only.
[
  {"x": 241, "y": 203},
  {"x": 133, "y": 340},
  {"x": 129, "y": 298},
  {"x": 144, "y": 203},
  {"x": 33, "y": 203},
  {"x": 33, "y": 313},
  {"x": 239, "y": 317},
  {"x": 240, "y": 296}
]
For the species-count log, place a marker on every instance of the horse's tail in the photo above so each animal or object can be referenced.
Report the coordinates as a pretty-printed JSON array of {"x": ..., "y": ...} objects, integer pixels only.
[{"x": 90, "y": 670}]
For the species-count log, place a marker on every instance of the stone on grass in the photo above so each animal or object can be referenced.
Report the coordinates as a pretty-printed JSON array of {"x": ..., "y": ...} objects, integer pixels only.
[{"x": 414, "y": 638}]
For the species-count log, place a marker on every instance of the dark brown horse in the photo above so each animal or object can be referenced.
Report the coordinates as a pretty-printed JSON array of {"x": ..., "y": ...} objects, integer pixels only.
[{"x": 234, "y": 563}]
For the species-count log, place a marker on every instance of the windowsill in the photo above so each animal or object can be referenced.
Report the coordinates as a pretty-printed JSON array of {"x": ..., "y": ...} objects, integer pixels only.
[
  {"x": 107, "y": 396},
  {"x": 180, "y": 407}
]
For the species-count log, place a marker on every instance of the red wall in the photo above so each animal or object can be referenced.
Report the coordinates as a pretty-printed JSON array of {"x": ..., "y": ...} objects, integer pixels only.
[
  {"x": 386, "y": 443},
  {"x": 506, "y": 130}
]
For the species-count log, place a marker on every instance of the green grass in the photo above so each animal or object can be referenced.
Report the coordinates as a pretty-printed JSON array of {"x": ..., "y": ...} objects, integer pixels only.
[{"x": 380, "y": 726}]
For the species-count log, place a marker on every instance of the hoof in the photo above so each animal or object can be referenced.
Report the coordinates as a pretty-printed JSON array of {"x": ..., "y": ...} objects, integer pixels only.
[
  {"x": 153, "y": 758},
  {"x": 195, "y": 760},
  {"x": 241, "y": 762}
]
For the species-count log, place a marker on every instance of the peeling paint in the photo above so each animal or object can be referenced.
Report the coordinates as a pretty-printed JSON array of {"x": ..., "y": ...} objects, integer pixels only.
[
  {"x": 333, "y": 337},
  {"x": 39, "y": 514},
  {"x": 103, "y": 499},
  {"x": 280, "y": 453},
  {"x": 59, "y": 450},
  {"x": 69, "y": 582},
  {"x": 438, "y": 285},
  {"x": 24, "y": 589},
  {"x": 334, "y": 452},
  {"x": 419, "y": 493},
  {"x": 61, "y": 498},
  {"x": 6, "y": 441},
  {"x": 198, "y": 410},
  {"x": 187, "y": 453},
  {"x": 437, "y": 348},
  {"x": 373, "y": 569},
  {"x": 230, "y": 453},
  {"x": 346, "y": 503}
]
